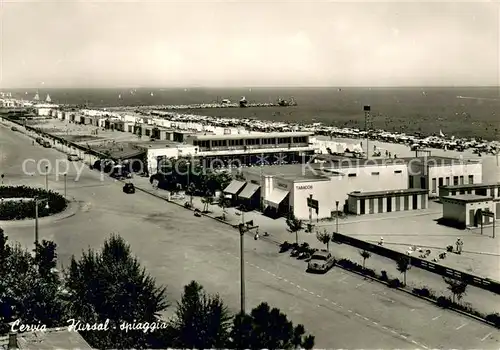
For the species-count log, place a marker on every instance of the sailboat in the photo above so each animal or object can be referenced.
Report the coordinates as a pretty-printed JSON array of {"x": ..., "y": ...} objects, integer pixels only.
[
  {"x": 120, "y": 96},
  {"x": 152, "y": 94},
  {"x": 37, "y": 97},
  {"x": 48, "y": 99}
]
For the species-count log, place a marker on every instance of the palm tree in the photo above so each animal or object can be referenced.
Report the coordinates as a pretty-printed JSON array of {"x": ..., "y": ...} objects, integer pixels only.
[
  {"x": 221, "y": 202},
  {"x": 365, "y": 255},
  {"x": 324, "y": 238},
  {"x": 294, "y": 226},
  {"x": 403, "y": 265},
  {"x": 207, "y": 201}
]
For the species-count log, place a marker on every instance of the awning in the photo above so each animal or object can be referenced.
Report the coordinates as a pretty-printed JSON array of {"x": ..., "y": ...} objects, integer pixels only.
[
  {"x": 234, "y": 187},
  {"x": 276, "y": 197},
  {"x": 249, "y": 191}
]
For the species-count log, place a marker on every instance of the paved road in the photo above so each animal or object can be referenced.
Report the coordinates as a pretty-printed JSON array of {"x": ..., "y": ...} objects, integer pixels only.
[{"x": 342, "y": 310}]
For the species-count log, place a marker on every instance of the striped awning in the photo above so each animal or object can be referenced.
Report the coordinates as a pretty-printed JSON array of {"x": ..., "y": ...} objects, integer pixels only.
[
  {"x": 249, "y": 191},
  {"x": 234, "y": 187}
]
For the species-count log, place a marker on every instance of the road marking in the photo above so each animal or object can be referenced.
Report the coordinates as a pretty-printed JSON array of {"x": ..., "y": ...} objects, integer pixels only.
[
  {"x": 359, "y": 285},
  {"x": 435, "y": 318},
  {"x": 340, "y": 306},
  {"x": 384, "y": 327},
  {"x": 394, "y": 332},
  {"x": 425, "y": 347},
  {"x": 326, "y": 299},
  {"x": 284, "y": 279},
  {"x": 334, "y": 303},
  {"x": 319, "y": 296},
  {"x": 366, "y": 319},
  {"x": 358, "y": 315},
  {"x": 375, "y": 323},
  {"x": 293, "y": 284},
  {"x": 350, "y": 311},
  {"x": 274, "y": 275},
  {"x": 486, "y": 336},
  {"x": 412, "y": 310},
  {"x": 304, "y": 289},
  {"x": 403, "y": 336},
  {"x": 414, "y": 342},
  {"x": 462, "y": 326},
  {"x": 311, "y": 293}
]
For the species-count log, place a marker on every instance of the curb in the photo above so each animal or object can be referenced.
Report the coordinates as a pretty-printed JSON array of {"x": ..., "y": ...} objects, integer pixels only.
[{"x": 434, "y": 302}]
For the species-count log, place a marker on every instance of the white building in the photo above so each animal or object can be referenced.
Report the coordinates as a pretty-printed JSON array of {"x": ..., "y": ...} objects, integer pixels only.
[
  {"x": 465, "y": 210},
  {"x": 157, "y": 150},
  {"x": 45, "y": 109},
  {"x": 286, "y": 188},
  {"x": 433, "y": 172}
]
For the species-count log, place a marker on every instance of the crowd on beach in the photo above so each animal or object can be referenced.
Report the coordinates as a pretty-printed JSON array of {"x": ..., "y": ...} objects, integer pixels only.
[{"x": 415, "y": 142}]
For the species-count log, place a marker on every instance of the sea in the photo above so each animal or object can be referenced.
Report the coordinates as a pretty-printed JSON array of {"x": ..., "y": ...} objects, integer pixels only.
[{"x": 468, "y": 112}]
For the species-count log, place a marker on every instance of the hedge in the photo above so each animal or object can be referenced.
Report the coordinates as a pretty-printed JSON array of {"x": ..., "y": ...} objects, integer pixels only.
[{"x": 25, "y": 209}]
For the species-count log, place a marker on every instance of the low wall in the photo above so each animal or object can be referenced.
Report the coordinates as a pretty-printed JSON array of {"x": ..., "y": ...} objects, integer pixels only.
[{"x": 484, "y": 283}]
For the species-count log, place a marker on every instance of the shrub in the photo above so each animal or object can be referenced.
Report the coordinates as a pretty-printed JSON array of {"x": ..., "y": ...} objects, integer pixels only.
[
  {"x": 383, "y": 276},
  {"x": 494, "y": 318},
  {"x": 449, "y": 249},
  {"x": 18, "y": 210},
  {"x": 423, "y": 292},
  {"x": 394, "y": 283},
  {"x": 370, "y": 272},
  {"x": 444, "y": 302}
]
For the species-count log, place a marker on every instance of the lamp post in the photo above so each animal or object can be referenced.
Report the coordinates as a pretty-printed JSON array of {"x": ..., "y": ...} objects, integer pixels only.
[
  {"x": 65, "y": 187},
  {"x": 337, "y": 216},
  {"x": 37, "y": 202},
  {"x": 46, "y": 178},
  {"x": 242, "y": 268}
]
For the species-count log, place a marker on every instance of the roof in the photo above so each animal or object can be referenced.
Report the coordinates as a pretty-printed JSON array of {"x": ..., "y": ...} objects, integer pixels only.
[
  {"x": 234, "y": 187},
  {"x": 120, "y": 150},
  {"x": 471, "y": 186},
  {"x": 436, "y": 161},
  {"x": 467, "y": 198},
  {"x": 52, "y": 338},
  {"x": 249, "y": 190},
  {"x": 162, "y": 144},
  {"x": 293, "y": 172},
  {"x": 405, "y": 191},
  {"x": 252, "y": 135}
]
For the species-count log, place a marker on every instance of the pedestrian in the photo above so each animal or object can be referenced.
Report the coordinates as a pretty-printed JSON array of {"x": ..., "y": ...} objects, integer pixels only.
[{"x": 381, "y": 242}]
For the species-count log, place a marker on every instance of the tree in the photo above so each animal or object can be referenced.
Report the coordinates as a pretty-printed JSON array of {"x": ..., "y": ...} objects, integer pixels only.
[
  {"x": 325, "y": 238},
  {"x": 112, "y": 285},
  {"x": 221, "y": 202},
  {"x": 403, "y": 265},
  {"x": 191, "y": 190},
  {"x": 267, "y": 328},
  {"x": 25, "y": 293},
  {"x": 294, "y": 225},
  {"x": 365, "y": 255},
  {"x": 207, "y": 201},
  {"x": 457, "y": 287},
  {"x": 201, "y": 321}
]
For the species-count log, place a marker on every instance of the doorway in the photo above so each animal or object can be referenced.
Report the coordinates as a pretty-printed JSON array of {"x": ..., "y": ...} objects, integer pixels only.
[{"x": 389, "y": 204}]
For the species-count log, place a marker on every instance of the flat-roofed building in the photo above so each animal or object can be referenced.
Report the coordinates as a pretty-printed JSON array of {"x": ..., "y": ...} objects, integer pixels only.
[
  {"x": 466, "y": 210},
  {"x": 254, "y": 148},
  {"x": 375, "y": 202},
  {"x": 434, "y": 172},
  {"x": 286, "y": 188}
]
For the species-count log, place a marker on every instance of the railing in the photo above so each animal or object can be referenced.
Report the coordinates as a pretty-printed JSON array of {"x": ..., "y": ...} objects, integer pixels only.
[
  {"x": 250, "y": 147},
  {"x": 483, "y": 283}
]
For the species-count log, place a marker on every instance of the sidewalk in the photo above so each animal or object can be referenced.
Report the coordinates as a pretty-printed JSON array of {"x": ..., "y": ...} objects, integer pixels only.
[{"x": 482, "y": 300}]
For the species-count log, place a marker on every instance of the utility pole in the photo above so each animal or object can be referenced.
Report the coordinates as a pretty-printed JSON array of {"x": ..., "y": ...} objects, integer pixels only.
[
  {"x": 37, "y": 202},
  {"x": 310, "y": 212},
  {"x": 337, "y": 216},
  {"x": 46, "y": 178},
  {"x": 367, "y": 109},
  {"x": 65, "y": 178}
]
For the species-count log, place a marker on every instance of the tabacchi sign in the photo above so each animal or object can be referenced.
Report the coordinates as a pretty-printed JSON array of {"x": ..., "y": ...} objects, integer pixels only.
[{"x": 304, "y": 187}]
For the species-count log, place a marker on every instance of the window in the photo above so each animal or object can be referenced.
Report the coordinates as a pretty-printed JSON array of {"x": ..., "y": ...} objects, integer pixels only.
[
  {"x": 453, "y": 193},
  {"x": 375, "y": 173},
  {"x": 461, "y": 180},
  {"x": 455, "y": 180},
  {"x": 398, "y": 171},
  {"x": 471, "y": 179},
  {"x": 447, "y": 181},
  {"x": 352, "y": 175},
  {"x": 462, "y": 191},
  {"x": 434, "y": 185}
]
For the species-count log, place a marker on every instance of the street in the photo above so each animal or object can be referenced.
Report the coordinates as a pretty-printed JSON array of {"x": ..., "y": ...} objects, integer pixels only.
[{"x": 341, "y": 309}]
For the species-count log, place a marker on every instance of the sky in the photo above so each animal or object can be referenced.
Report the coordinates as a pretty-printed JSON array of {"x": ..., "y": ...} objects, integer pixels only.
[{"x": 65, "y": 43}]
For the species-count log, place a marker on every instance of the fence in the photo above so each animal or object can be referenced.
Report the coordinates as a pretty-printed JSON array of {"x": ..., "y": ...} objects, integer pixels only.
[{"x": 484, "y": 283}]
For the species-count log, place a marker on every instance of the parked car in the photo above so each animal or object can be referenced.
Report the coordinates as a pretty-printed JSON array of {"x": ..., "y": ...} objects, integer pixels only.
[
  {"x": 46, "y": 144},
  {"x": 39, "y": 140},
  {"x": 321, "y": 261},
  {"x": 73, "y": 157},
  {"x": 129, "y": 188},
  {"x": 13, "y": 128}
]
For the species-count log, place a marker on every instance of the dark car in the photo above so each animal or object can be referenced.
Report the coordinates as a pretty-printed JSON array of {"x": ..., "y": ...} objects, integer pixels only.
[{"x": 129, "y": 188}]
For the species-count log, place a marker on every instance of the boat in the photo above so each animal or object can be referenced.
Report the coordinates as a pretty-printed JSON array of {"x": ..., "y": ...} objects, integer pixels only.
[
  {"x": 37, "y": 97},
  {"x": 243, "y": 102}
]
